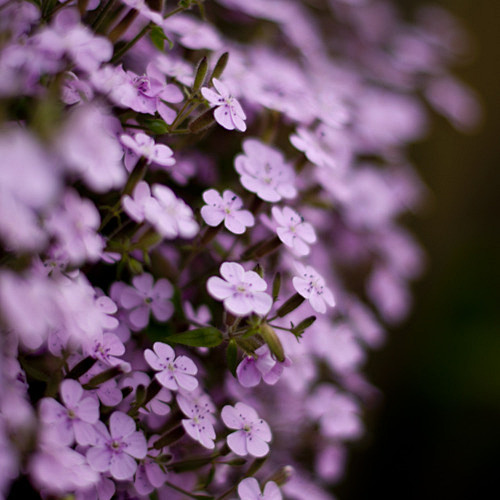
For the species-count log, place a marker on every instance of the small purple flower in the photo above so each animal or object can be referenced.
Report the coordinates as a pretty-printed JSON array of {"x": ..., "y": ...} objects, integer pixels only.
[
  {"x": 293, "y": 231},
  {"x": 249, "y": 489},
  {"x": 146, "y": 296},
  {"x": 260, "y": 366},
  {"x": 311, "y": 286},
  {"x": 263, "y": 171},
  {"x": 228, "y": 111},
  {"x": 143, "y": 145},
  {"x": 73, "y": 420},
  {"x": 172, "y": 372},
  {"x": 150, "y": 475},
  {"x": 226, "y": 208},
  {"x": 241, "y": 291},
  {"x": 252, "y": 433},
  {"x": 115, "y": 450},
  {"x": 106, "y": 349},
  {"x": 200, "y": 422}
]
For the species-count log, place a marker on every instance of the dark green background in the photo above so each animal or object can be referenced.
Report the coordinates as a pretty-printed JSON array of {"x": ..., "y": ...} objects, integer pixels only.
[{"x": 436, "y": 432}]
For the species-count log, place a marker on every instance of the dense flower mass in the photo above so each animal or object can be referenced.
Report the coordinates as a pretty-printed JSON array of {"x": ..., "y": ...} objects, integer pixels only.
[{"x": 128, "y": 366}]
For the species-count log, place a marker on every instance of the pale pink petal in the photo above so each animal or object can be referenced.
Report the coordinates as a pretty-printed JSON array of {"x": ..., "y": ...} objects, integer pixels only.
[
  {"x": 256, "y": 446},
  {"x": 136, "y": 445},
  {"x": 221, "y": 87},
  {"x": 167, "y": 379},
  {"x": 88, "y": 410},
  {"x": 153, "y": 360},
  {"x": 239, "y": 304},
  {"x": 85, "y": 433},
  {"x": 249, "y": 489},
  {"x": 139, "y": 317},
  {"x": 99, "y": 459},
  {"x": 185, "y": 381},
  {"x": 122, "y": 466},
  {"x": 272, "y": 491},
  {"x": 317, "y": 303},
  {"x": 234, "y": 225},
  {"x": 185, "y": 365},
  {"x": 247, "y": 373},
  {"x": 71, "y": 392},
  {"x": 143, "y": 283},
  {"x": 212, "y": 97},
  {"x": 238, "y": 443},
  {"x": 261, "y": 303},
  {"x": 121, "y": 425},
  {"x": 130, "y": 298},
  {"x": 155, "y": 475},
  {"x": 231, "y": 418},
  {"x": 162, "y": 310},
  {"x": 223, "y": 116},
  {"x": 213, "y": 216},
  {"x": 164, "y": 351},
  {"x": 218, "y": 288}
]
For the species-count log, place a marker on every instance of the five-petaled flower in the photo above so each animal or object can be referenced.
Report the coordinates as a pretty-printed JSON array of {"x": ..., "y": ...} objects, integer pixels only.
[
  {"x": 241, "y": 291},
  {"x": 115, "y": 450},
  {"x": 227, "y": 208},
  {"x": 263, "y": 171},
  {"x": 252, "y": 433},
  {"x": 293, "y": 231},
  {"x": 143, "y": 145},
  {"x": 228, "y": 111},
  {"x": 311, "y": 285},
  {"x": 172, "y": 372}
]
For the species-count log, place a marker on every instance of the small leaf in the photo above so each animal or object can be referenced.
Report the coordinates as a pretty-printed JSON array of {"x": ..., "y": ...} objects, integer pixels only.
[
  {"x": 201, "y": 337},
  {"x": 159, "y": 38}
]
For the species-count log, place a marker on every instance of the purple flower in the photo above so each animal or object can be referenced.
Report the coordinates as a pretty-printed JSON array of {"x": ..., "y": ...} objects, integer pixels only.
[
  {"x": 263, "y": 171},
  {"x": 173, "y": 372},
  {"x": 293, "y": 231},
  {"x": 73, "y": 420},
  {"x": 252, "y": 433},
  {"x": 260, "y": 366},
  {"x": 75, "y": 226},
  {"x": 106, "y": 349},
  {"x": 115, "y": 450},
  {"x": 241, "y": 291},
  {"x": 150, "y": 475},
  {"x": 143, "y": 145},
  {"x": 311, "y": 286},
  {"x": 146, "y": 296},
  {"x": 249, "y": 489},
  {"x": 228, "y": 111},
  {"x": 200, "y": 424},
  {"x": 226, "y": 208}
]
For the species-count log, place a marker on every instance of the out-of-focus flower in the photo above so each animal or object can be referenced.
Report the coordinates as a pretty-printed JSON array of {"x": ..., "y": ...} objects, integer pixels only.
[
  {"x": 143, "y": 145},
  {"x": 293, "y": 231},
  {"x": 263, "y": 171}
]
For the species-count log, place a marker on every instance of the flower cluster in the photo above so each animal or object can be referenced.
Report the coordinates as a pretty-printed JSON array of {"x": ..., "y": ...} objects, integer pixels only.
[{"x": 198, "y": 246}]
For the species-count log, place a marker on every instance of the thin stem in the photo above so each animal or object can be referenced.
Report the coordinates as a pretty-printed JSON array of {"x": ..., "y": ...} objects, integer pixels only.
[
  {"x": 180, "y": 490},
  {"x": 132, "y": 42}
]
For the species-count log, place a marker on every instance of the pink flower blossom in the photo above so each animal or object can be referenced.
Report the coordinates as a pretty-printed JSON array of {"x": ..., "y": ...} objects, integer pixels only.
[
  {"x": 226, "y": 208},
  {"x": 200, "y": 422},
  {"x": 312, "y": 287},
  {"x": 143, "y": 145},
  {"x": 115, "y": 450},
  {"x": 228, "y": 111},
  {"x": 260, "y": 366},
  {"x": 241, "y": 291},
  {"x": 172, "y": 372},
  {"x": 252, "y": 433},
  {"x": 73, "y": 420},
  {"x": 263, "y": 171},
  {"x": 136, "y": 205},
  {"x": 146, "y": 296},
  {"x": 249, "y": 489},
  {"x": 293, "y": 231}
]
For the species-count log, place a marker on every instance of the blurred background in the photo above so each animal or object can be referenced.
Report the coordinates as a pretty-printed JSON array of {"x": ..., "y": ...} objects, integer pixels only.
[{"x": 436, "y": 432}]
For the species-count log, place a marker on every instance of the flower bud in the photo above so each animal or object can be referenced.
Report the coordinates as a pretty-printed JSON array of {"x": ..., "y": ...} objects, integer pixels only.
[
  {"x": 220, "y": 66},
  {"x": 281, "y": 476},
  {"x": 273, "y": 341},
  {"x": 290, "y": 305},
  {"x": 276, "y": 286},
  {"x": 202, "y": 122},
  {"x": 303, "y": 325},
  {"x": 201, "y": 73}
]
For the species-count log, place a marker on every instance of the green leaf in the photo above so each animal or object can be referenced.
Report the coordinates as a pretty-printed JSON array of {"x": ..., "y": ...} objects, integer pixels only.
[
  {"x": 201, "y": 337},
  {"x": 232, "y": 356}
]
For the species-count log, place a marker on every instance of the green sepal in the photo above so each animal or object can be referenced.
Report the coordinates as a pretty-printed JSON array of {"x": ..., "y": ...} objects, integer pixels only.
[
  {"x": 232, "y": 356},
  {"x": 159, "y": 38}
]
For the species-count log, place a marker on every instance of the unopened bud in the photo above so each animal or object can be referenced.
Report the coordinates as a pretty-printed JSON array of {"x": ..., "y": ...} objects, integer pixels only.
[
  {"x": 290, "y": 305},
  {"x": 259, "y": 270},
  {"x": 201, "y": 73},
  {"x": 276, "y": 286},
  {"x": 281, "y": 476},
  {"x": 303, "y": 325},
  {"x": 170, "y": 437},
  {"x": 220, "y": 66},
  {"x": 102, "y": 377},
  {"x": 203, "y": 121},
  {"x": 81, "y": 368},
  {"x": 273, "y": 341}
]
